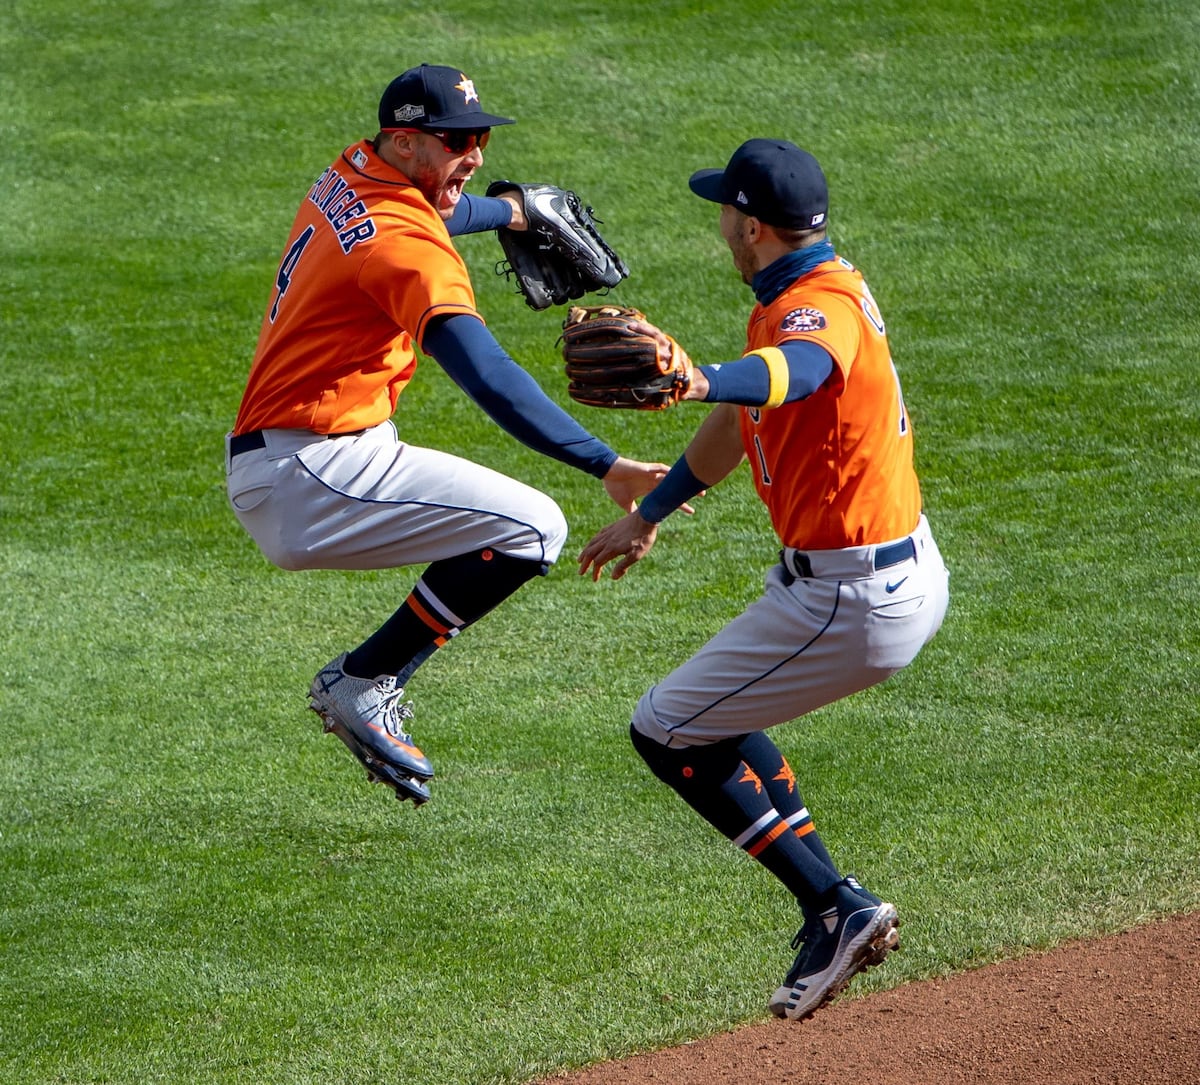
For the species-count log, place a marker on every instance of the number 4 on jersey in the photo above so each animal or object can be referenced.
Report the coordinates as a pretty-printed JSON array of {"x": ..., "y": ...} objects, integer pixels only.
[{"x": 287, "y": 266}]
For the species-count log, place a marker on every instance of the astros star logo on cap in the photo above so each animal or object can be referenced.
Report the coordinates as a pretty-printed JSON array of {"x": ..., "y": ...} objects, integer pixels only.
[{"x": 467, "y": 86}]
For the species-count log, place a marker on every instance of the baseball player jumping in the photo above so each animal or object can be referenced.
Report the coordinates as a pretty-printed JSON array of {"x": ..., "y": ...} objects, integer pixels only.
[
  {"x": 316, "y": 470},
  {"x": 815, "y": 406}
]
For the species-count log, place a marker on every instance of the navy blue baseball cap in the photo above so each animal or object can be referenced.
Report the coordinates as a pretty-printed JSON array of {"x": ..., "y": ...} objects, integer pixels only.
[
  {"x": 772, "y": 180},
  {"x": 435, "y": 97}
]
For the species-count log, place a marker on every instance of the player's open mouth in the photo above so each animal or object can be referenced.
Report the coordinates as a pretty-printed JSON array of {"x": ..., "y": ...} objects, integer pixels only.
[{"x": 454, "y": 190}]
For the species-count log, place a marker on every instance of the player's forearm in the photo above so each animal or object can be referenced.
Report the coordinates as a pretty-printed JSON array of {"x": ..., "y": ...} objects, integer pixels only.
[
  {"x": 714, "y": 452},
  {"x": 477, "y": 214},
  {"x": 716, "y": 449},
  {"x": 469, "y": 353}
]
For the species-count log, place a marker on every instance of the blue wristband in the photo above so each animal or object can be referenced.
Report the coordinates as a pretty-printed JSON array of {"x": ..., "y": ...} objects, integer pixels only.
[{"x": 673, "y": 491}]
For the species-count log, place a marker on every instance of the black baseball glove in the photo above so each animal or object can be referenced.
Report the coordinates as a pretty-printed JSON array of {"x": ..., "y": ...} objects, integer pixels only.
[{"x": 562, "y": 255}]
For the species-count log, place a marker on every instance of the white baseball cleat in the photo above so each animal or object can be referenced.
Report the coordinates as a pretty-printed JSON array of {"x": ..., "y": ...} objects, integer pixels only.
[
  {"x": 855, "y": 934},
  {"x": 369, "y": 718}
]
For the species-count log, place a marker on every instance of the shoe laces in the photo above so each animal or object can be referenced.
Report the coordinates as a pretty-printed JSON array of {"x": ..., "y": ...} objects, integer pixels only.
[
  {"x": 802, "y": 943},
  {"x": 808, "y": 938},
  {"x": 393, "y": 712}
]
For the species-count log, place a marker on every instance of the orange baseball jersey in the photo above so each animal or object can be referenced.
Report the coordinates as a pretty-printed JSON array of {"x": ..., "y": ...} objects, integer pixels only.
[
  {"x": 367, "y": 264},
  {"x": 834, "y": 469}
]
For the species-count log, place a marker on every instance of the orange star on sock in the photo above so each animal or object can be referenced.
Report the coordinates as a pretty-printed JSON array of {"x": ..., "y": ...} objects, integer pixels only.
[
  {"x": 786, "y": 773},
  {"x": 751, "y": 777}
]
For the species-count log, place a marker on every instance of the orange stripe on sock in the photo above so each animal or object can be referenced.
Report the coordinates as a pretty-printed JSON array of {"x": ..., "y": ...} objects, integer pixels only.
[
  {"x": 426, "y": 617},
  {"x": 805, "y": 829},
  {"x": 777, "y": 830}
]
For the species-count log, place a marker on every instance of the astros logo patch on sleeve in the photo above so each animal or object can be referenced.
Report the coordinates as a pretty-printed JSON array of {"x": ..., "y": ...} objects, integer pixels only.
[{"x": 803, "y": 320}]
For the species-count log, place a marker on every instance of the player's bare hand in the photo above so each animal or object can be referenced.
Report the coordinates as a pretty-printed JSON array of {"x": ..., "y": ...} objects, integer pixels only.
[
  {"x": 627, "y": 480},
  {"x": 656, "y": 333},
  {"x": 629, "y": 539}
]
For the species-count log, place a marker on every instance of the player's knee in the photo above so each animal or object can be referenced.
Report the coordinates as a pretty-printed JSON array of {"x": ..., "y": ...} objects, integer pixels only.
[
  {"x": 546, "y": 531},
  {"x": 689, "y": 767},
  {"x": 553, "y": 527},
  {"x": 654, "y": 753},
  {"x": 646, "y": 724}
]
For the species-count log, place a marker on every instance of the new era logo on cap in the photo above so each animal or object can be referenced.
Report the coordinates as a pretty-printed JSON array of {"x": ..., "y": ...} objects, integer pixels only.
[{"x": 772, "y": 180}]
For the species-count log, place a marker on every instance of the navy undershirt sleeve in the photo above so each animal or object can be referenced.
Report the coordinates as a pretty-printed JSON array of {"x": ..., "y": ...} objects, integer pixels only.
[
  {"x": 747, "y": 382},
  {"x": 469, "y": 353},
  {"x": 475, "y": 214}
]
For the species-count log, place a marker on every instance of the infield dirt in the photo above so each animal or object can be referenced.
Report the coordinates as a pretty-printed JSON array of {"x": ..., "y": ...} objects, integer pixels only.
[{"x": 1119, "y": 1011}]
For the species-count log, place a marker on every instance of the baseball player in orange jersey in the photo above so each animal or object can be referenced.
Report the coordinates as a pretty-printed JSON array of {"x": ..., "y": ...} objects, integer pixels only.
[
  {"x": 318, "y": 474},
  {"x": 815, "y": 406}
]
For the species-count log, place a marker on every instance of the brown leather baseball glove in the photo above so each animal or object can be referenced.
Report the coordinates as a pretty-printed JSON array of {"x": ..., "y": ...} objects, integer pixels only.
[{"x": 612, "y": 364}]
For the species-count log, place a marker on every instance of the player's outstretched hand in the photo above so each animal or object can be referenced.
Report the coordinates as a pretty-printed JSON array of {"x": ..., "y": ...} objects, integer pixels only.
[
  {"x": 629, "y": 538},
  {"x": 627, "y": 480}
]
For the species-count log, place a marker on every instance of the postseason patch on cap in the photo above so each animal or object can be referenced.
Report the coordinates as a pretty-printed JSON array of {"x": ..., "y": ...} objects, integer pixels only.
[
  {"x": 406, "y": 114},
  {"x": 803, "y": 320}
]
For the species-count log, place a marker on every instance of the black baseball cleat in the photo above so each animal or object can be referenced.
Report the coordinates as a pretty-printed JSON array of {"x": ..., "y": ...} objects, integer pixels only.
[
  {"x": 369, "y": 718},
  {"x": 857, "y": 933}
]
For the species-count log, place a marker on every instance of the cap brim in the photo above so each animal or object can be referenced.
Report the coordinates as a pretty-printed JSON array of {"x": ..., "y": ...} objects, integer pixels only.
[
  {"x": 708, "y": 184},
  {"x": 471, "y": 120}
]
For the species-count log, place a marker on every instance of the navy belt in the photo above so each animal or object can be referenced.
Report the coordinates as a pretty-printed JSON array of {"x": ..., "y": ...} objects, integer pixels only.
[
  {"x": 894, "y": 553},
  {"x": 246, "y": 442},
  {"x": 885, "y": 557}
]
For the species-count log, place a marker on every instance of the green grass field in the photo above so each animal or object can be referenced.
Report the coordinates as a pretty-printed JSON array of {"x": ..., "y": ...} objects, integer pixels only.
[{"x": 197, "y": 886}]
